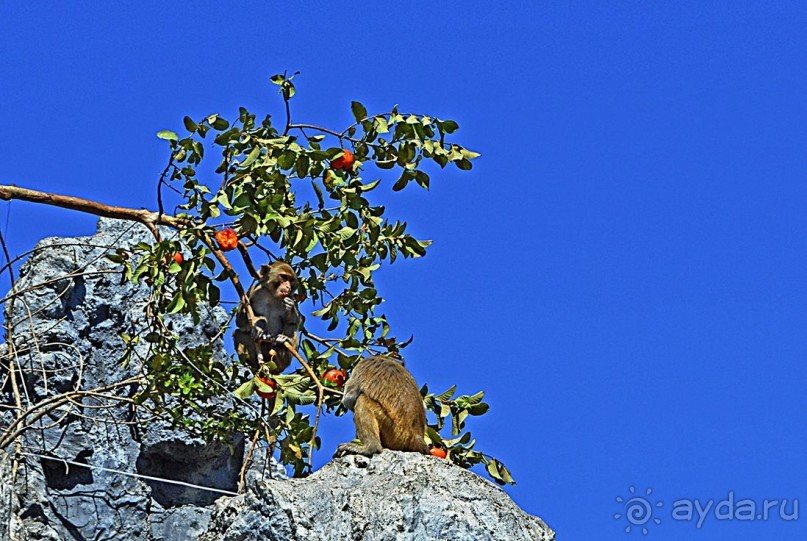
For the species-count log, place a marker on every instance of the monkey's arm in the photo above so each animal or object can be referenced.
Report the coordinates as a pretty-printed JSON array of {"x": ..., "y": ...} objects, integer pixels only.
[
  {"x": 260, "y": 330},
  {"x": 291, "y": 320},
  {"x": 351, "y": 394}
]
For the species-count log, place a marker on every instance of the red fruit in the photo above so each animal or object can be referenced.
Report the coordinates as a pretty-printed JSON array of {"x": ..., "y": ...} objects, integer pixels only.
[
  {"x": 227, "y": 239},
  {"x": 343, "y": 162},
  {"x": 268, "y": 382},
  {"x": 178, "y": 258},
  {"x": 335, "y": 376},
  {"x": 438, "y": 452}
]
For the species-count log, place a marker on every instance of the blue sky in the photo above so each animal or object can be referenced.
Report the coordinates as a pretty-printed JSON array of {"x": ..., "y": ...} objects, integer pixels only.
[{"x": 624, "y": 269}]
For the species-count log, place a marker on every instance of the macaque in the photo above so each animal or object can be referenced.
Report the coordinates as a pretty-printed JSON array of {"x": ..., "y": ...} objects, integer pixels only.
[
  {"x": 387, "y": 408},
  {"x": 276, "y": 320}
]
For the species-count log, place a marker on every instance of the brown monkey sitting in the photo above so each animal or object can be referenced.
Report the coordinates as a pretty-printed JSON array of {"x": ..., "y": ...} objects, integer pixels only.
[
  {"x": 276, "y": 319},
  {"x": 387, "y": 408}
]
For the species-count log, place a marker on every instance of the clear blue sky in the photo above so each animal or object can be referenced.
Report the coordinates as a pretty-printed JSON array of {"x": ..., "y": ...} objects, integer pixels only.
[{"x": 625, "y": 269}]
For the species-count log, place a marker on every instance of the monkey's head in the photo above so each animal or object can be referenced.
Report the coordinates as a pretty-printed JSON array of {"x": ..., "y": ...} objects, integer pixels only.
[{"x": 280, "y": 278}]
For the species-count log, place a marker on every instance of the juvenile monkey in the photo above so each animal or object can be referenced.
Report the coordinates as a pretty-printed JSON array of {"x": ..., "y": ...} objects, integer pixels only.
[
  {"x": 276, "y": 319},
  {"x": 387, "y": 408}
]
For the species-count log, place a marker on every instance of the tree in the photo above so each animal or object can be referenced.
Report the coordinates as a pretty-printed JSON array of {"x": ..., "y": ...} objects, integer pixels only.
[{"x": 297, "y": 194}]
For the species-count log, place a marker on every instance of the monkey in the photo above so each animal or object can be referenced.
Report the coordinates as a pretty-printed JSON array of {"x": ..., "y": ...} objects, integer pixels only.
[
  {"x": 276, "y": 319},
  {"x": 387, "y": 408}
]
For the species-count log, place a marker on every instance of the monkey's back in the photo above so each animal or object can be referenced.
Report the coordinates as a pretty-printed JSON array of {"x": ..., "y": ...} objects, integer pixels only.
[{"x": 393, "y": 391}]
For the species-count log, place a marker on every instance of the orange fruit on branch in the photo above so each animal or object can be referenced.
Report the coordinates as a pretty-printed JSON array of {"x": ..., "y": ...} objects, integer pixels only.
[
  {"x": 227, "y": 239},
  {"x": 270, "y": 383},
  {"x": 335, "y": 376},
  {"x": 343, "y": 162}
]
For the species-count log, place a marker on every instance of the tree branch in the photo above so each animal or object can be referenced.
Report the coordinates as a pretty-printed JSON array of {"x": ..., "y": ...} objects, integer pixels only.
[{"x": 146, "y": 217}]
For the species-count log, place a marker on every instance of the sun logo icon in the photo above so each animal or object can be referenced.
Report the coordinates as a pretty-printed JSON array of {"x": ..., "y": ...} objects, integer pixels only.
[{"x": 638, "y": 510}]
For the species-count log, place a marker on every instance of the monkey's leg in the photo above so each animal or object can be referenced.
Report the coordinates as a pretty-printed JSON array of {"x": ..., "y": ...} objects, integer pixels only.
[
  {"x": 245, "y": 348},
  {"x": 282, "y": 357},
  {"x": 367, "y": 416}
]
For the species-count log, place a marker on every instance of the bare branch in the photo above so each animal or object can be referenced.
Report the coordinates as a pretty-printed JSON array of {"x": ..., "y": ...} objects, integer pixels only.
[{"x": 146, "y": 217}]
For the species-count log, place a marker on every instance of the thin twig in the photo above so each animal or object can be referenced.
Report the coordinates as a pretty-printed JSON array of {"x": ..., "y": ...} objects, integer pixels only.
[
  {"x": 130, "y": 474},
  {"x": 248, "y": 458},
  {"x": 286, "y": 99},
  {"x": 325, "y": 342},
  {"x": 242, "y": 249},
  {"x": 12, "y": 368},
  {"x": 49, "y": 405},
  {"x": 160, "y": 210},
  {"x": 320, "y": 397}
]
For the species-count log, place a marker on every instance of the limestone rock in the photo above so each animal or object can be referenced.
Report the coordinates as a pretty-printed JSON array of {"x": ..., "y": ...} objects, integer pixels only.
[
  {"x": 391, "y": 496},
  {"x": 72, "y": 306}
]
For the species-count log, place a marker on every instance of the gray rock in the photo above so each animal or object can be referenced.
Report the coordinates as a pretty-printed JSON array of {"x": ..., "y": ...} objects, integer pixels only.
[
  {"x": 391, "y": 496},
  {"x": 114, "y": 476},
  {"x": 67, "y": 320}
]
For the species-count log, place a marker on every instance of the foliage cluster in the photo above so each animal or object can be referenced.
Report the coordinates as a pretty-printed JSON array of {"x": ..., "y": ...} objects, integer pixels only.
[{"x": 278, "y": 188}]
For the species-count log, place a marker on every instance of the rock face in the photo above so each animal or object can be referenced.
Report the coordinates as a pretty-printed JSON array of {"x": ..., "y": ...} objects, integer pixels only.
[
  {"x": 67, "y": 320},
  {"x": 391, "y": 496},
  {"x": 103, "y": 473}
]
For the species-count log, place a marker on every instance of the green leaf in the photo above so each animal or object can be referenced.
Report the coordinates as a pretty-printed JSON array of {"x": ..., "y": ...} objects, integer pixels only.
[
  {"x": 346, "y": 232},
  {"x": 464, "y": 164},
  {"x": 359, "y": 112},
  {"x": 301, "y": 399},
  {"x": 318, "y": 192},
  {"x": 505, "y": 473},
  {"x": 449, "y": 126},
  {"x": 380, "y": 124},
  {"x": 287, "y": 159},
  {"x": 401, "y": 183},
  {"x": 446, "y": 395},
  {"x": 478, "y": 409},
  {"x": 445, "y": 411},
  {"x": 213, "y": 294},
  {"x": 177, "y": 304},
  {"x": 220, "y": 124},
  {"x": 251, "y": 157},
  {"x": 168, "y": 135},
  {"x": 190, "y": 125},
  {"x": 277, "y": 79},
  {"x": 321, "y": 312},
  {"x": 288, "y": 89},
  {"x": 245, "y": 390},
  {"x": 494, "y": 472},
  {"x": 433, "y": 436},
  {"x": 277, "y": 404},
  {"x": 422, "y": 179},
  {"x": 302, "y": 165},
  {"x": 370, "y": 185},
  {"x": 469, "y": 154},
  {"x": 261, "y": 386}
]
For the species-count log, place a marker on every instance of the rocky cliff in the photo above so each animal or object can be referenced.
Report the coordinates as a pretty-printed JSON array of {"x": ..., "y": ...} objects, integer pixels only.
[{"x": 87, "y": 471}]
